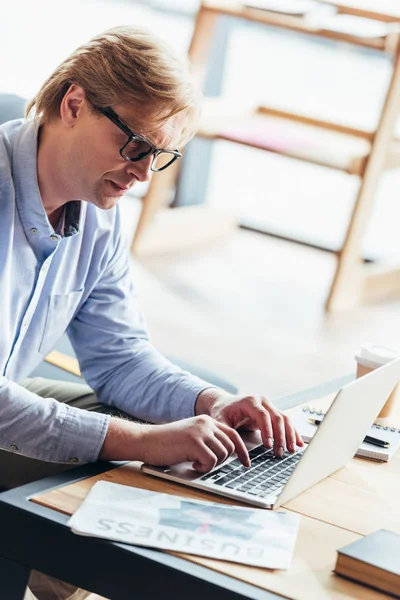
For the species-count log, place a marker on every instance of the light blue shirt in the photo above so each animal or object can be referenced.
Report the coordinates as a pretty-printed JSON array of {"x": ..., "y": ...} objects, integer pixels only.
[{"x": 77, "y": 282}]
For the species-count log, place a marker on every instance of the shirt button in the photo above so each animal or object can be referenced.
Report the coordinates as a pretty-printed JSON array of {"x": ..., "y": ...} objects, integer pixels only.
[
  {"x": 53, "y": 237},
  {"x": 73, "y": 460},
  {"x": 13, "y": 447},
  {"x": 34, "y": 230},
  {"x": 45, "y": 268}
]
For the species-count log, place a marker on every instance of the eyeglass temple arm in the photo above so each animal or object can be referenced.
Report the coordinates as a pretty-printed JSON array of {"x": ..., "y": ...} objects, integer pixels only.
[{"x": 115, "y": 119}]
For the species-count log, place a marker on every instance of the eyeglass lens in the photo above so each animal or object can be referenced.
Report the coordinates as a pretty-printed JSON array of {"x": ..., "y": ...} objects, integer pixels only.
[
  {"x": 162, "y": 160},
  {"x": 137, "y": 149}
]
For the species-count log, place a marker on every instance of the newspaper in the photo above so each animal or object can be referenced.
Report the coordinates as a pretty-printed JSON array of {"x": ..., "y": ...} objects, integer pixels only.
[{"x": 250, "y": 536}]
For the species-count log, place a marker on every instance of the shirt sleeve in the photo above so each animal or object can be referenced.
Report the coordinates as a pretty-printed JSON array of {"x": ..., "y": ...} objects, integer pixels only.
[
  {"x": 46, "y": 429},
  {"x": 116, "y": 356}
]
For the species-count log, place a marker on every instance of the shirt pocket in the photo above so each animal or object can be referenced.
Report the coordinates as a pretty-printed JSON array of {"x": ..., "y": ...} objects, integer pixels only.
[{"x": 60, "y": 311}]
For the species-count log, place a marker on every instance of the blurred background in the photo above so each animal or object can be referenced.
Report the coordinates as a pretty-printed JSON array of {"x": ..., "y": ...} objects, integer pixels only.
[{"x": 237, "y": 300}]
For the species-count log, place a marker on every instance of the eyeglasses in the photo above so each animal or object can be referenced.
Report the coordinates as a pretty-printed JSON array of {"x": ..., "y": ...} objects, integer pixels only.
[{"x": 138, "y": 147}]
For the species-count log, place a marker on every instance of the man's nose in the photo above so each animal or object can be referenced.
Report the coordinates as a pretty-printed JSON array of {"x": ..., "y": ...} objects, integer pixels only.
[{"x": 142, "y": 168}]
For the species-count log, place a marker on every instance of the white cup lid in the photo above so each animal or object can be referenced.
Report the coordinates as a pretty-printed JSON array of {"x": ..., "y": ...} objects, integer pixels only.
[{"x": 374, "y": 355}]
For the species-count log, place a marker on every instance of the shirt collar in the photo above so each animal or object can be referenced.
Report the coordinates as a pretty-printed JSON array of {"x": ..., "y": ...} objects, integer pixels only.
[{"x": 30, "y": 207}]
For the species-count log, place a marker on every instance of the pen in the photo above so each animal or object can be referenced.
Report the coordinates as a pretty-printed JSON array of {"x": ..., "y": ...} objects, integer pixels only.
[{"x": 368, "y": 438}]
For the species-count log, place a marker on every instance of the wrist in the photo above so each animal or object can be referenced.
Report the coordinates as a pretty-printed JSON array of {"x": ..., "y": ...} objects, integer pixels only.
[
  {"x": 206, "y": 400},
  {"x": 123, "y": 441}
]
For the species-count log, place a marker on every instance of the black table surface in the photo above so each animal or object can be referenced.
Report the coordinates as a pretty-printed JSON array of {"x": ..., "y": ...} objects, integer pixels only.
[{"x": 36, "y": 537}]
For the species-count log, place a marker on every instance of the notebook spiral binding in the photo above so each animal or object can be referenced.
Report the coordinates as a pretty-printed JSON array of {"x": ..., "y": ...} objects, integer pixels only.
[{"x": 321, "y": 413}]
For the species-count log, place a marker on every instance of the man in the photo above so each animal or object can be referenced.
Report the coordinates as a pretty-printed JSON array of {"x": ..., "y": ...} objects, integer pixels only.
[{"x": 116, "y": 110}]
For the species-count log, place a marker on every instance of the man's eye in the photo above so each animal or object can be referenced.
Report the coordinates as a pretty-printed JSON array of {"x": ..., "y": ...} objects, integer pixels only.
[{"x": 135, "y": 145}]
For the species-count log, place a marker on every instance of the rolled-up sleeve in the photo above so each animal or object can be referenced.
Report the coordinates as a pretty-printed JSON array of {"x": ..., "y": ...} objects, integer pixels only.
[{"x": 46, "y": 429}]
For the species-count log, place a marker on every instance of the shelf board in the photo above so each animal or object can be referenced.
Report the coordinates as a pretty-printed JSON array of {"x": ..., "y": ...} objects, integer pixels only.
[
  {"x": 292, "y": 137},
  {"x": 382, "y": 42},
  {"x": 381, "y": 10}
]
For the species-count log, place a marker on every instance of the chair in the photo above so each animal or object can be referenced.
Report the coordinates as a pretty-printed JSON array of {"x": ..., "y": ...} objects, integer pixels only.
[
  {"x": 365, "y": 154},
  {"x": 11, "y": 107}
]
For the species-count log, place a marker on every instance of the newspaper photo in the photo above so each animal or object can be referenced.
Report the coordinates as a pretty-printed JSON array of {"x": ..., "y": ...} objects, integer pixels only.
[{"x": 250, "y": 536}]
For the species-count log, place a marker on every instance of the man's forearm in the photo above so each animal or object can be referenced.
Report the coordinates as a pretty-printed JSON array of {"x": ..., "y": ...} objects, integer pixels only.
[
  {"x": 48, "y": 430},
  {"x": 123, "y": 440}
]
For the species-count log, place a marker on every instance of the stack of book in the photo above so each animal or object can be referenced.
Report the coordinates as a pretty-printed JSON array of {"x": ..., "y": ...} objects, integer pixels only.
[{"x": 374, "y": 561}]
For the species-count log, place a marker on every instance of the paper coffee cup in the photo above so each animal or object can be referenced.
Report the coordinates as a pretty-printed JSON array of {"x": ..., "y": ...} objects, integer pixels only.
[{"x": 370, "y": 357}]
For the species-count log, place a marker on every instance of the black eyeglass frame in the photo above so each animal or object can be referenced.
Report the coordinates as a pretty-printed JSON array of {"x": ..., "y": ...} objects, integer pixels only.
[{"x": 154, "y": 151}]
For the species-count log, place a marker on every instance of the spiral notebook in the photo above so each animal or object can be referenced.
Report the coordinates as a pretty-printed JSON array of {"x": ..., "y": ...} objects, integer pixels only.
[{"x": 387, "y": 433}]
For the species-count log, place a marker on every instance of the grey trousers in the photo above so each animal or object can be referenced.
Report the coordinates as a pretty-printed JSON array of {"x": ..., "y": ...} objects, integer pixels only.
[{"x": 16, "y": 470}]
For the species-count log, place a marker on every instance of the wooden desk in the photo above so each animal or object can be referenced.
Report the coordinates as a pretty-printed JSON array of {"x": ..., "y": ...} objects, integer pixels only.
[{"x": 352, "y": 502}]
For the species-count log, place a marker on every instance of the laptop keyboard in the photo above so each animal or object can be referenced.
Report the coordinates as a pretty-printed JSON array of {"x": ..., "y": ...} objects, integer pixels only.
[{"x": 266, "y": 475}]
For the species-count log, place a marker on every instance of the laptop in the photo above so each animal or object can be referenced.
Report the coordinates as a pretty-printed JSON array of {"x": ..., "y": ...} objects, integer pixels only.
[{"x": 271, "y": 482}]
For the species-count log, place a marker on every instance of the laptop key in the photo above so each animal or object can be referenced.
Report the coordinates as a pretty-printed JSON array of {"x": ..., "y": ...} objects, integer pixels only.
[
  {"x": 270, "y": 493},
  {"x": 262, "y": 469},
  {"x": 258, "y": 450},
  {"x": 233, "y": 484},
  {"x": 245, "y": 487},
  {"x": 259, "y": 481},
  {"x": 243, "y": 470},
  {"x": 236, "y": 463},
  {"x": 266, "y": 486},
  {"x": 227, "y": 468},
  {"x": 254, "y": 491},
  {"x": 223, "y": 480},
  {"x": 213, "y": 475}
]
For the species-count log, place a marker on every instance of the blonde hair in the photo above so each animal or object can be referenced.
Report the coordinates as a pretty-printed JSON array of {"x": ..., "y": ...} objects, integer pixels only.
[{"x": 124, "y": 65}]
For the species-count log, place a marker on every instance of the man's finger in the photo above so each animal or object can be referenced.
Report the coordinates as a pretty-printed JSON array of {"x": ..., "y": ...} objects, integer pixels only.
[
  {"x": 205, "y": 459},
  {"x": 278, "y": 426},
  {"x": 225, "y": 440},
  {"x": 261, "y": 417},
  {"x": 299, "y": 439},
  {"x": 218, "y": 448},
  {"x": 240, "y": 447},
  {"x": 264, "y": 422},
  {"x": 290, "y": 433}
]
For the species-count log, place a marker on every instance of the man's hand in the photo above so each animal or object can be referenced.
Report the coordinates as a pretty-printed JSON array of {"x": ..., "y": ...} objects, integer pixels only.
[
  {"x": 251, "y": 413},
  {"x": 201, "y": 440}
]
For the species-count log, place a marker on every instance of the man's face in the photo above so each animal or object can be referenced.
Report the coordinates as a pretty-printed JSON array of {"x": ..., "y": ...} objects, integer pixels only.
[{"x": 97, "y": 173}]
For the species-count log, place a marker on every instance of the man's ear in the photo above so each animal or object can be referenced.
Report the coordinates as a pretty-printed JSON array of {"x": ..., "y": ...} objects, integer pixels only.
[{"x": 72, "y": 104}]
